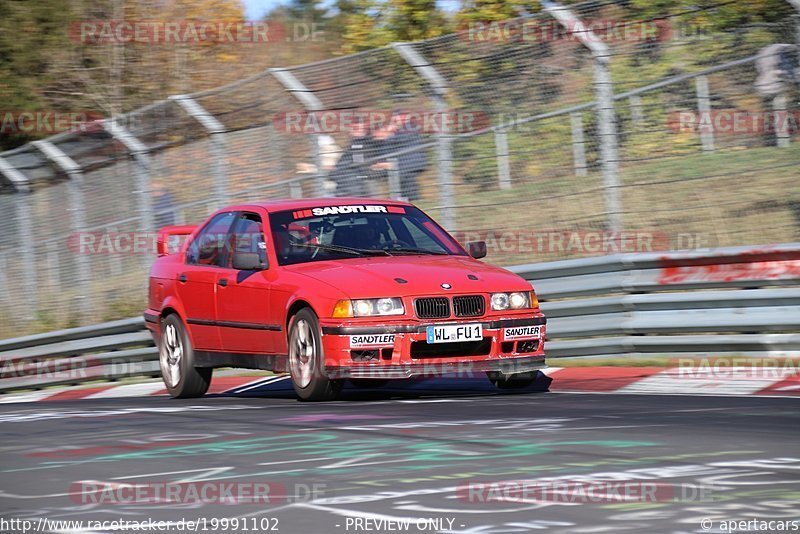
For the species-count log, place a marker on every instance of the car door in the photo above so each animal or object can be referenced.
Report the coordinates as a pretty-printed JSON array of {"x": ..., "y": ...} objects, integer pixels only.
[
  {"x": 244, "y": 316},
  {"x": 206, "y": 257}
]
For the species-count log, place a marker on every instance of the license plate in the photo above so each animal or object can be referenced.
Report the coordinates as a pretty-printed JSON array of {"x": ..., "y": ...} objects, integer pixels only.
[{"x": 453, "y": 333}]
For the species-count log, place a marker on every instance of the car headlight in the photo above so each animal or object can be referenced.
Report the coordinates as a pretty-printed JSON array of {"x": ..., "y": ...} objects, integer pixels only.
[
  {"x": 514, "y": 301},
  {"x": 368, "y": 307}
]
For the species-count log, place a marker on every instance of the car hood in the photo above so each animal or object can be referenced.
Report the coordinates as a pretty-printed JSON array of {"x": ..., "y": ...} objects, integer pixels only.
[{"x": 370, "y": 277}]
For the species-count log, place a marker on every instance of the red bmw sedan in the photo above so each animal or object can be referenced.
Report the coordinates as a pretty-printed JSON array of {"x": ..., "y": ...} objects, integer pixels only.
[{"x": 340, "y": 289}]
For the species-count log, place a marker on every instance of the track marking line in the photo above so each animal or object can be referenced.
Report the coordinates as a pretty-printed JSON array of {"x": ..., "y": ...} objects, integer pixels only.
[
  {"x": 27, "y": 397},
  {"x": 128, "y": 390},
  {"x": 671, "y": 394},
  {"x": 258, "y": 383}
]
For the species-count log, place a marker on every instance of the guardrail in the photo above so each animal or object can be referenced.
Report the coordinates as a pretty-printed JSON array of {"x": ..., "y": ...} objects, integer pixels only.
[
  {"x": 105, "y": 352},
  {"x": 743, "y": 300}
]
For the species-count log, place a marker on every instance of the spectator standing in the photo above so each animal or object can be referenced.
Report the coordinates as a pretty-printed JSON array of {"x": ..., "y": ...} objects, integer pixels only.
[
  {"x": 402, "y": 135},
  {"x": 351, "y": 175},
  {"x": 163, "y": 206}
]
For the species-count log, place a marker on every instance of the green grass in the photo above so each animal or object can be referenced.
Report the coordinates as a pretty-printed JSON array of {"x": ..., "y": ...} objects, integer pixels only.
[{"x": 730, "y": 197}]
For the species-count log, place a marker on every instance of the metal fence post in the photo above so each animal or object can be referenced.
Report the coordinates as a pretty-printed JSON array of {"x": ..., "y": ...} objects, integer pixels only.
[
  {"x": 27, "y": 251},
  {"x": 77, "y": 207},
  {"x": 316, "y": 157},
  {"x": 608, "y": 141},
  {"x": 637, "y": 115},
  {"x": 216, "y": 131},
  {"x": 4, "y": 293},
  {"x": 606, "y": 113},
  {"x": 444, "y": 142},
  {"x": 444, "y": 151},
  {"x": 14, "y": 176},
  {"x": 114, "y": 259},
  {"x": 782, "y": 104},
  {"x": 141, "y": 168},
  {"x": 503, "y": 163},
  {"x": 25, "y": 229},
  {"x": 781, "y": 120},
  {"x": 219, "y": 154},
  {"x": 578, "y": 145},
  {"x": 395, "y": 191},
  {"x": 53, "y": 265},
  {"x": 704, "y": 110},
  {"x": 796, "y": 5},
  {"x": 310, "y": 103},
  {"x": 295, "y": 190}
]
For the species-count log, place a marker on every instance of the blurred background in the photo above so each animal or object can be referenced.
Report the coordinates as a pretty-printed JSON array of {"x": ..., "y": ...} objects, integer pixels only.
[{"x": 550, "y": 130}]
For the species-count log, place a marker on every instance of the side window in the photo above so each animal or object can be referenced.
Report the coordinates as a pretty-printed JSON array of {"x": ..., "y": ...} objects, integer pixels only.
[
  {"x": 208, "y": 247},
  {"x": 420, "y": 238},
  {"x": 248, "y": 236}
]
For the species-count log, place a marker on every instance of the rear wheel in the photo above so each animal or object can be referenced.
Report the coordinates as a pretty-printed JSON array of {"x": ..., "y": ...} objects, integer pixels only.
[
  {"x": 514, "y": 381},
  {"x": 307, "y": 360},
  {"x": 176, "y": 358}
]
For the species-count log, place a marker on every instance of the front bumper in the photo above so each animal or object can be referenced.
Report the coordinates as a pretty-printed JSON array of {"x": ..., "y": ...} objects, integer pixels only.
[{"x": 395, "y": 350}]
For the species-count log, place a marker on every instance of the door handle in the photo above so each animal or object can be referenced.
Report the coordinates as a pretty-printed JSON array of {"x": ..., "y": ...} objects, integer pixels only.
[
  {"x": 223, "y": 282},
  {"x": 183, "y": 278}
]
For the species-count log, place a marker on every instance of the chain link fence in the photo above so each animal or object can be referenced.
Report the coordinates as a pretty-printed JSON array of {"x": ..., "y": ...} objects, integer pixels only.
[{"x": 582, "y": 130}]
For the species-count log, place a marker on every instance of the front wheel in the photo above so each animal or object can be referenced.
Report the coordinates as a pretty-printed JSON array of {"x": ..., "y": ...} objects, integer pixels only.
[
  {"x": 513, "y": 381},
  {"x": 176, "y": 359},
  {"x": 307, "y": 360}
]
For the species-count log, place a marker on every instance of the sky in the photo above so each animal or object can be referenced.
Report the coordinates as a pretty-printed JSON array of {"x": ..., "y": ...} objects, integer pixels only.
[{"x": 256, "y": 9}]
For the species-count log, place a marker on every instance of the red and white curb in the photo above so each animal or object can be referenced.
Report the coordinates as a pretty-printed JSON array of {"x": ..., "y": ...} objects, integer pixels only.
[
  {"x": 771, "y": 381},
  {"x": 219, "y": 385},
  {"x": 763, "y": 381}
]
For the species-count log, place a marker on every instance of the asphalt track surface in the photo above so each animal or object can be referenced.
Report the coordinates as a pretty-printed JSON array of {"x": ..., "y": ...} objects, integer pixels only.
[{"x": 408, "y": 454}]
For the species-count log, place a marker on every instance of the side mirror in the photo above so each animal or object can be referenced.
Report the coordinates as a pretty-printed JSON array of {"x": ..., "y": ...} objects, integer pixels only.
[
  {"x": 477, "y": 249},
  {"x": 247, "y": 261}
]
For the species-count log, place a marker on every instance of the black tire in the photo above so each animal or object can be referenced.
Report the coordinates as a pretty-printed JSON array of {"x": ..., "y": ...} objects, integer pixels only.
[
  {"x": 368, "y": 383},
  {"x": 515, "y": 381},
  {"x": 307, "y": 359},
  {"x": 190, "y": 381}
]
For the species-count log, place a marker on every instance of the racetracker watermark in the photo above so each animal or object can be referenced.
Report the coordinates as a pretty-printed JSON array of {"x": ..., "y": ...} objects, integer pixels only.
[
  {"x": 551, "y": 31},
  {"x": 420, "y": 121},
  {"x": 192, "y": 493},
  {"x": 766, "y": 368},
  {"x": 70, "y": 369},
  {"x": 521, "y": 241},
  {"x": 113, "y": 243},
  {"x": 192, "y": 32},
  {"x": 146, "y": 243},
  {"x": 373, "y": 369},
  {"x": 733, "y": 122},
  {"x": 580, "y": 492},
  {"x": 583, "y": 241},
  {"x": 46, "y": 122}
]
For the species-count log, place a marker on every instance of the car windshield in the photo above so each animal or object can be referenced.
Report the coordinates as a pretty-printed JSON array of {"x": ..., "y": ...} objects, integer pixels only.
[{"x": 349, "y": 231}]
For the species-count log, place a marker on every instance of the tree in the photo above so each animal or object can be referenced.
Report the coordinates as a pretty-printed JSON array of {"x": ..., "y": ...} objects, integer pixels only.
[
  {"x": 491, "y": 10},
  {"x": 374, "y": 23},
  {"x": 307, "y": 10},
  {"x": 46, "y": 66},
  {"x": 32, "y": 44}
]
